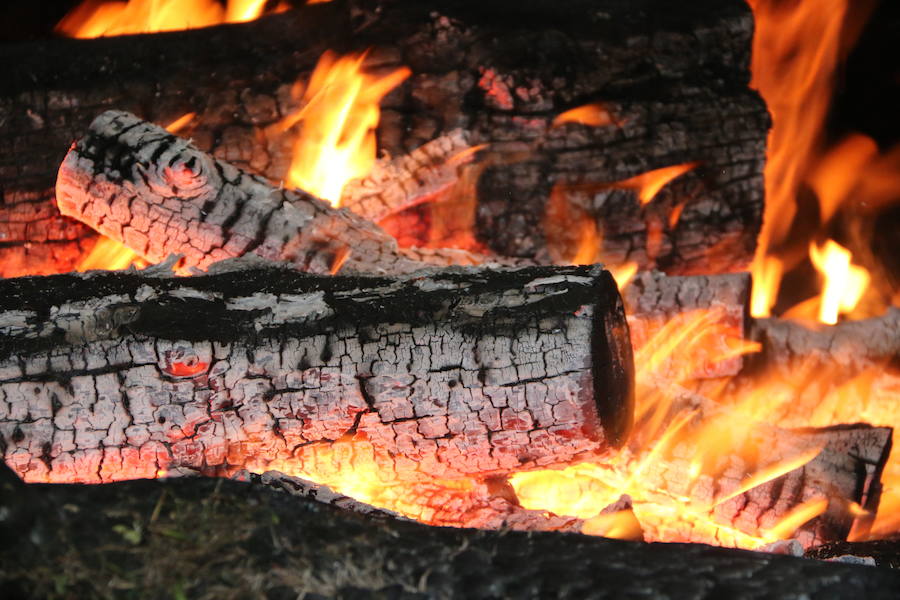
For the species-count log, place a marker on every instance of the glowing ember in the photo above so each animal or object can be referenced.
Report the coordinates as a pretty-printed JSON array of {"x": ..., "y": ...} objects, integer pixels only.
[
  {"x": 96, "y": 18},
  {"x": 845, "y": 284},
  {"x": 336, "y": 141}
]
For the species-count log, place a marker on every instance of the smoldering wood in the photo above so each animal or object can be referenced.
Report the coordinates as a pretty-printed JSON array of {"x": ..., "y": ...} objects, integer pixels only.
[
  {"x": 847, "y": 469},
  {"x": 435, "y": 504},
  {"x": 851, "y": 346},
  {"x": 457, "y": 373},
  {"x": 675, "y": 78},
  {"x": 653, "y": 300},
  {"x": 305, "y": 546},
  {"x": 160, "y": 195}
]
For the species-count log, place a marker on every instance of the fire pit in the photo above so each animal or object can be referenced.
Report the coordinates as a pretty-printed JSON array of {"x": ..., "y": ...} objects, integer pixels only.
[{"x": 365, "y": 222}]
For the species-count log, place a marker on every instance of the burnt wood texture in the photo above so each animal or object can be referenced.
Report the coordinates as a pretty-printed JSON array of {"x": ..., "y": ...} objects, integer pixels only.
[
  {"x": 460, "y": 373},
  {"x": 223, "y": 539},
  {"x": 159, "y": 195},
  {"x": 673, "y": 77}
]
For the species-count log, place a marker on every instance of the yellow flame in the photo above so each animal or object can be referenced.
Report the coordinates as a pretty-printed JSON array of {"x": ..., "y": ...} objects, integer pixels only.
[
  {"x": 95, "y": 18},
  {"x": 772, "y": 472},
  {"x": 786, "y": 527},
  {"x": 107, "y": 254},
  {"x": 845, "y": 283},
  {"x": 340, "y": 112},
  {"x": 180, "y": 123}
]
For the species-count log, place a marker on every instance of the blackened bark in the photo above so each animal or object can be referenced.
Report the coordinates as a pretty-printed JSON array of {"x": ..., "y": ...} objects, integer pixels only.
[
  {"x": 217, "y": 537},
  {"x": 674, "y": 76}
]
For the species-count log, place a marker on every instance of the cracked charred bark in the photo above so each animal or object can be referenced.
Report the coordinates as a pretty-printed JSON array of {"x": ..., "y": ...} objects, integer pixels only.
[
  {"x": 159, "y": 195},
  {"x": 675, "y": 78},
  {"x": 201, "y": 525},
  {"x": 462, "y": 373}
]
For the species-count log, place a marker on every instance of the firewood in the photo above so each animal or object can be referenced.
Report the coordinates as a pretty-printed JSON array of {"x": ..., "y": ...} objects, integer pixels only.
[
  {"x": 653, "y": 300},
  {"x": 846, "y": 470},
  {"x": 850, "y": 346},
  {"x": 159, "y": 195},
  {"x": 435, "y": 504},
  {"x": 460, "y": 373},
  {"x": 500, "y": 71},
  {"x": 219, "y": 536}
]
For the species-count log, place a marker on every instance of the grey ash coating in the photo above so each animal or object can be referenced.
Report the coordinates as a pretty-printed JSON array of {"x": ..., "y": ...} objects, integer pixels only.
[{"x": 459, "y": 373}]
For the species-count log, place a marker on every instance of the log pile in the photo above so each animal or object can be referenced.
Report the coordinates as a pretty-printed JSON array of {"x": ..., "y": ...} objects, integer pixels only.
[{"x": 476, "y": 70}]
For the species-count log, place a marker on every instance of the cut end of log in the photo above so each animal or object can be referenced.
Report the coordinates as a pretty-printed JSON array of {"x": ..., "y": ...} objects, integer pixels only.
[{"x": 613, "y": 362}]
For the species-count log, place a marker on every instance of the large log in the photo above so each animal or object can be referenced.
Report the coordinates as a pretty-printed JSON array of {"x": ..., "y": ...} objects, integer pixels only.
[
  {"x": 215, "y": 538},
  {"x": 675, "y": 78},
  {"x": 462, "y": 373}
]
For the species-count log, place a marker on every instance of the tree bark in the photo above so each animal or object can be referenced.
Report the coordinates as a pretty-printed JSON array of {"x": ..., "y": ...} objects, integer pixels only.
[
  {"x": 675, "y": 79},
  {"x": 468, "y": 373}
]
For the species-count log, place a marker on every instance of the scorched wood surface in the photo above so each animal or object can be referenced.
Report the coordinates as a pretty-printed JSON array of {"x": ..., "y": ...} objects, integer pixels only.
[
  {"x": 224, "y": 539},
  {"x": 675, "y": 78},
  {"x": 468, "y": 373}
]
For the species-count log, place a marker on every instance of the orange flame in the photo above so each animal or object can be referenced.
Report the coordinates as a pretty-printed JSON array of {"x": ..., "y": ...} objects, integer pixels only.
[
  {"x": 845, "y": 283},
  {"x": 338, "y": 119},
  {"x": 593, "y": 115},
  {"x": 797, "y": 48},
  {"x": 648, "y": 184},
  {"x": 108, "y": 255},
  {"x": 95, "y": 18}
]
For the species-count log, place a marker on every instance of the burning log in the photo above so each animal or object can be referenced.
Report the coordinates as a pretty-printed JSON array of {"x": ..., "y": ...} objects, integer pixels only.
[
  {"x": 654, "y": 301},
  {"x": 159, "y": 195},
  {"x": 836, "y": 481},
  {"x": 850, "y": 346},
  {"x": 502, "y": 72},
  {"x": 478, "y": 507},
  {"x": 456, "y": 374}
]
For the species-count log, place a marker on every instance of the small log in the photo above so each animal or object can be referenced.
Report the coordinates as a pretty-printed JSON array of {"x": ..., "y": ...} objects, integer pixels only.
[
  {"x": 851, "y": 346},
  {"x": 159, "y": 195},
  {"x": 654, "y": 300},
  {"x": 461, "y": 373},
  {"x": 675, "y": 78}
]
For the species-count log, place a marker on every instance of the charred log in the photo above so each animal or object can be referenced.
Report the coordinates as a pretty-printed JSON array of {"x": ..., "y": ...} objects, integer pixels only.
[
  {"x": 674, "y": 78},
  {"x": 218, "y": 536},
  {"x": 468, "y": 373},
  {"x": 846, "y": 469},
  {"x": 851, "y": 346},
  {"x": 159, "y": 195},
  {"x": 654, "y": 300}
]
